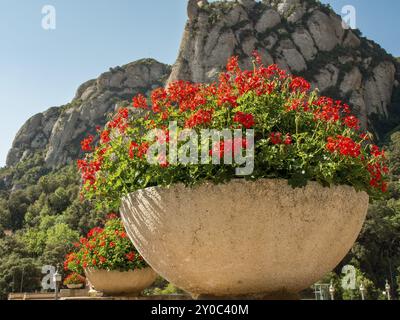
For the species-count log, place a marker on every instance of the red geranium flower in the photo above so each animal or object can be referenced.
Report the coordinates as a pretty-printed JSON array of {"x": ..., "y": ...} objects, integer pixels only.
[
  {"x": 105, "y": 136},
  {"x": 86, "y": 144},
  {"x": 352, "y": 122},
  {"x": 288, "y": 140},
  {"x": 245, "y": 119},
  {"x": 199, "y": 118},
  {"x": 276, "y": 138},
  {"x": 140, "y": 101},
  {"x": 299, "y": 84},
  {"x": 131, "y": 256}
]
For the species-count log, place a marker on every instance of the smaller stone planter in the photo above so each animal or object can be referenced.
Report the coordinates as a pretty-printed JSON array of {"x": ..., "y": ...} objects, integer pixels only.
[
  {"x": 75, "y": 286},
  {"x": 116, "y": 283}
]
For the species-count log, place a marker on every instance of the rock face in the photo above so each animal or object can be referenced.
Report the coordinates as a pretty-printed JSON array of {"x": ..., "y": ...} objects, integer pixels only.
[
  {"x": 33, "y": 136},
  {"x": 58, "y": 131},
  {"x": 304, "y": 37}
]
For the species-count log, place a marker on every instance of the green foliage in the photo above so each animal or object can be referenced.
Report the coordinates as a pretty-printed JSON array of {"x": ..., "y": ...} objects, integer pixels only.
[
  {"x": 46, "y": 215},
  {"x": 377, "y": 251},
  {"x": 162, "y": 287},
  {"x": 17, "y": 269},
  {"x": 370, "y": 293},
  {"x": 18, "y": 273},
  {"x": 5, "y": 214},
  {"x": 107, "y": 248},
  {"x": 170, "y": 289},
  {"x": 51, "y": 241}
]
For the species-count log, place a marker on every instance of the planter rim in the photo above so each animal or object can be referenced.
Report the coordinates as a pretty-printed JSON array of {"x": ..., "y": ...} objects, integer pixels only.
[
  {"x": 75, "y": 285},
  {"x": 115, "y": 271},
  {"x": 207, "y": 182}
]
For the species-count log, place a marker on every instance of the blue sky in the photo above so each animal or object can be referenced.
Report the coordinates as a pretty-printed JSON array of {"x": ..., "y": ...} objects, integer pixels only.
[{"x": 40, "y": 69}]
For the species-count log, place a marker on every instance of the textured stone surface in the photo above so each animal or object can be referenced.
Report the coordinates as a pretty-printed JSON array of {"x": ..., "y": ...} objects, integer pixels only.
[
  {"x": 247, "y": 3},
  {"x": 244, "y": 237},
  {"x": 115, "y": 283},
  {"x": 351, "y": 81},
  {"x": 269, "y": 19},
  {"x": 327, "y": 77},
  {"x": 33, "y": 136},
  {"x": 58, "y": 131},
  {"x": 351, "y": 40},
  {"x": 293, "y": 58},
  {"x": 303, "y": 40},
  {"x": 378, "y": 89},
  {"x": 326, "y": 30},
  {"x": 291, "y": 10}
]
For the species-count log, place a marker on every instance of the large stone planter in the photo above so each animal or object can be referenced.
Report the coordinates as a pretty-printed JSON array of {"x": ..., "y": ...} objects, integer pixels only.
[
  {"x": 244, "y": 238},
  {"x": 115, "y": 283}
]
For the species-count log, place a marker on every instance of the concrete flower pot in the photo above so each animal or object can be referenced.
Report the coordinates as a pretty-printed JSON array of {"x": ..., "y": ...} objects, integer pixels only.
[
  {"x": 115, "y": 283},
  {"x": 256, "y": 239},
  {"x": 75, "y": 286}
]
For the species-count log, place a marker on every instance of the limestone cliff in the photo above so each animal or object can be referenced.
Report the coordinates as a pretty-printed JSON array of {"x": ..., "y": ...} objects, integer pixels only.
[
  {"x": 57, "y": 132},
  {"x": 302, "y": 36}
]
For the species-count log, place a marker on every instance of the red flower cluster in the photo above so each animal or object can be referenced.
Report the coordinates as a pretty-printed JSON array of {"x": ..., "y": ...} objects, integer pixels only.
[
  {"x": 344, "y": 145},
  {"x": 186, "y": 95},
  {"x": 376, "y": 152},
  {"x": 331, "y": 110},
  {"x": 112, "y": 216},
  {"x": 89, "y": 171},
  {"x": 233, "y": 64},
  {"x": 138, "y": 150},
  {"x": 86, "y": 144},
  {"x": 131, "y": 256},
  {"x": 104, "y": 248},
  {"x": 120, "y": 122},
  {"x": 132, "y": 147},
  {"x": 140, "y": 102},
  {"x": 245, "y": 119},
  {"x": 352, "y": 122},
  {"x": 74, "y": 278},
  {"x": 225, "y": 93},
  {"x": 70, "y": 259},
  {"x": 94, "y": 232},
  {"x": 377, "y": 170},
  {"x": 299, "y": 84},
  {"x": 105, "y": 136},
  {"x": 276, "y": 138},
  {"x": 199, "y": 118},
  {"x": 233, "y": 147}
]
